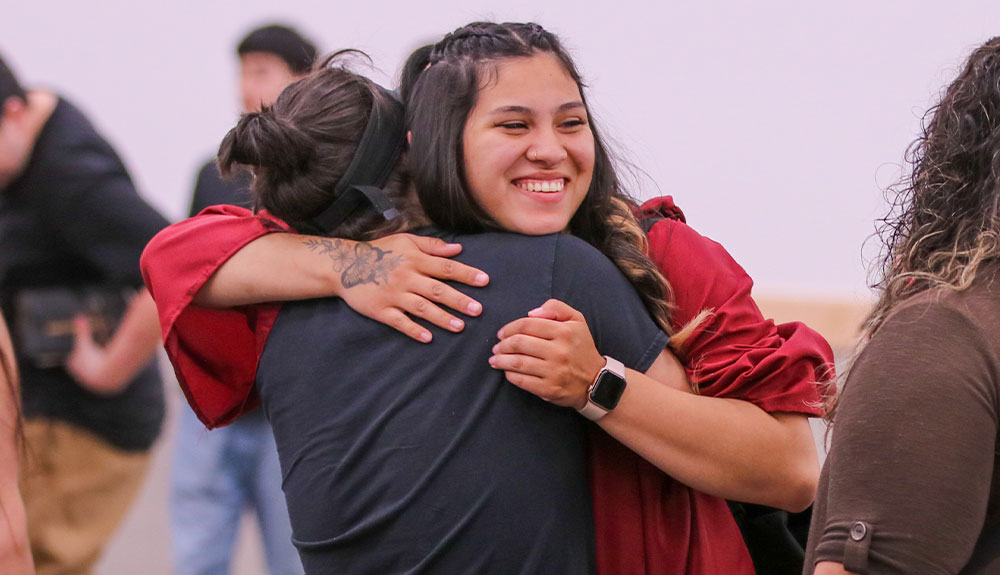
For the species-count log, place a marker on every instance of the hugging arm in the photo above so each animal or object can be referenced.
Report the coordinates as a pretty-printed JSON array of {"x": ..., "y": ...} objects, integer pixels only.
[
  {"x": 724, "y": 447},
  {"x": 756, "y": 384},
  {"x": 388, "y": 279},
  {"x": 235, "y": 258},
  {"x": 197, "y": 269}
]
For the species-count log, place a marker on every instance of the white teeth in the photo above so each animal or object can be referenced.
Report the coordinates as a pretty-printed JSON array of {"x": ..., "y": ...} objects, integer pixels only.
[{"x": 543, "y": 186}]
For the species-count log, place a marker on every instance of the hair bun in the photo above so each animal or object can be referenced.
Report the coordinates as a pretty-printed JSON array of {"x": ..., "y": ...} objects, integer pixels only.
[{"x": 262, "y": 140}]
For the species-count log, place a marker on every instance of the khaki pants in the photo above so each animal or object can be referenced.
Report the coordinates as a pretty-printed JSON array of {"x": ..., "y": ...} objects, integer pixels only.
[{"x": 76, "y": 489}]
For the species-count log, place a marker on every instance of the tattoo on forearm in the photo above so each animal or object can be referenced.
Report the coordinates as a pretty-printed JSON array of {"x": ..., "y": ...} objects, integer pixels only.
[{"x": 359, "y": 264}]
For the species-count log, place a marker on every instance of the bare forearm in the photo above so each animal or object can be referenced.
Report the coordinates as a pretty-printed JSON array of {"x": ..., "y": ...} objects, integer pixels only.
[
  {"x": 387, "y": 279},
  {"x": 131, "y": 347},
  {"x": 274, "y": 267},
  {"x": 724, "y": 447}
]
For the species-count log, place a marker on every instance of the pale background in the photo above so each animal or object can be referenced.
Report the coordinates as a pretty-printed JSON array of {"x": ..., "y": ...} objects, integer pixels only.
[{"x": 776, "y": 125}]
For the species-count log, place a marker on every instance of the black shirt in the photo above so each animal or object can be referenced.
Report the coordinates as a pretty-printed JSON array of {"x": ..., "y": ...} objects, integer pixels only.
[
  {"x": 402, "y": 457},
  {"x": 211, "y": 189},
  {"x": 74, "y": 219}
]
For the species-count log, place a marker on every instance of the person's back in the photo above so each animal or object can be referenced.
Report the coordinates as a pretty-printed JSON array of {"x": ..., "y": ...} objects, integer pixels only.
[{"x": 401, "y": 457}]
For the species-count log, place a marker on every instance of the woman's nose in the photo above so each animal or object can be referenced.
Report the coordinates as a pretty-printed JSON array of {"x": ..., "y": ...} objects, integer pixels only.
[{"x": 547, "y": 147}]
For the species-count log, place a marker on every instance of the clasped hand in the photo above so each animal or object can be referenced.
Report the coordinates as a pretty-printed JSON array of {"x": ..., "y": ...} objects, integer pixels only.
[{"x": 550, "y": 353}]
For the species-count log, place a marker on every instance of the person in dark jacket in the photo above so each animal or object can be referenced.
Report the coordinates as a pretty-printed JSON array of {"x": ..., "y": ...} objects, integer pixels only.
[{"x": 72, "y": 228}]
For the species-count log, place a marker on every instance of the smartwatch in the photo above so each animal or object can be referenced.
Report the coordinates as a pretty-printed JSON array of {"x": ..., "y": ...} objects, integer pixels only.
[{"x": 607, "y": 389}]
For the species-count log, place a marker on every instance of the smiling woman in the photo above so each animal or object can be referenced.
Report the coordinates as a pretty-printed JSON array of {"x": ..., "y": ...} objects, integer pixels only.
[{"x": 529, "y": 154}]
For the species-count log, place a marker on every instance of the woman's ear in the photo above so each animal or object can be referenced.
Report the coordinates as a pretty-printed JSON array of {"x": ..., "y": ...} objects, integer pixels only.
[{"x": 409, "y": 137}]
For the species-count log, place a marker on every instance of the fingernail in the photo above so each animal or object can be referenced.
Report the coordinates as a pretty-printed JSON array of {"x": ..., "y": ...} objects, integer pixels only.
[
  {"x": 493, "y": 361},
  {"x": 473, "y": 308},
  {"x": 482, "y": 278},
  {"x": 494, "y": 350},
  {"x": 425, "y": 336},
  {"x": 456, "y": 324},
  {"x": 500, "y": 333}
]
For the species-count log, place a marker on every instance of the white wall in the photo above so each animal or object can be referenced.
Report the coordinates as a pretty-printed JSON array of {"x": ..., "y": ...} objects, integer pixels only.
[{"x": 774, "y": 124}]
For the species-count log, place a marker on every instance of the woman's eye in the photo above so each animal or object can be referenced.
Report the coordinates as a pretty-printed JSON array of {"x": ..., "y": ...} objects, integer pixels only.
[
  {"x": 574, "y": 123},
  {"x": 513, "y": 125}
]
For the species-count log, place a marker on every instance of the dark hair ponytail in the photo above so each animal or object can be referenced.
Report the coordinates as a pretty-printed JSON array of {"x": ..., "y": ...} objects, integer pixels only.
[{"x": 262, "y": 140}]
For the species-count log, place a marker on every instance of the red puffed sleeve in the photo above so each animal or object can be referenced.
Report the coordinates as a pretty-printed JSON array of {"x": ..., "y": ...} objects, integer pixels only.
[
  {"x": 737, "y": 353},
  {"x": 214, "y": 351}
]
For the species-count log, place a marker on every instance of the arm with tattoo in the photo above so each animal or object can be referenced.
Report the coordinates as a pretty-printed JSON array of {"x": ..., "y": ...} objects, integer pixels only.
[
  {"x": 357, "y": 264},
  {"x": 388, "y": 279}
]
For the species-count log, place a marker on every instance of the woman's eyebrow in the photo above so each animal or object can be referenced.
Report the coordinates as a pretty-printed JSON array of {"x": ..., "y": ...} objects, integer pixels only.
[
  {"x": 571, "y": 106},
  {"x": 511, "y": 110},
  {"x": 514, "y": 109}
]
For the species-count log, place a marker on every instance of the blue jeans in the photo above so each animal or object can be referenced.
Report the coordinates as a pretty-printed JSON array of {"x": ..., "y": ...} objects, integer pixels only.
[{"x": 215, "y": 476}]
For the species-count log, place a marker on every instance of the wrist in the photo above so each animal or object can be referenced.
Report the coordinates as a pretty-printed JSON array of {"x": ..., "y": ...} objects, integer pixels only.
[
  {"x": 334, "y": 274},
  {"x": 589, "y": 375},
  {"x": 606, "y": 390}
]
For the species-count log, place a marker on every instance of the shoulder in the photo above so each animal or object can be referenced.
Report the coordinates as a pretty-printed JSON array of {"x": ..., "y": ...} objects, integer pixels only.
[
  {"x": 678, "y": 249},
  {"x": 576, "y": 260},
  {"x": 675, "y": 244},
  {"x": 662, "y": 207},
  {"x": 701, "y": 272},
  {"x": 69, "y": 127},
  {"x": 571, "y": 247},
  {"x": 70, "y": 146},
  {"x": 935, "y": 343},
  {"x": 209, "y": 172},
  {"x": 538, "y": 250},
  {"x": 968, "y": 313}
]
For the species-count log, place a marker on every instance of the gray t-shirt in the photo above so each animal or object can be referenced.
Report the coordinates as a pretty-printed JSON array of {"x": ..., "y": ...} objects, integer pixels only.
[
  {"x": 908, "y": 486},
  {"x": 402, "y": 457}
]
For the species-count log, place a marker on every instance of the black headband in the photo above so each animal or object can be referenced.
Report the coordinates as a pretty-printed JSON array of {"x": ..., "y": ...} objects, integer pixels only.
[{"x": 370, "y": 168}]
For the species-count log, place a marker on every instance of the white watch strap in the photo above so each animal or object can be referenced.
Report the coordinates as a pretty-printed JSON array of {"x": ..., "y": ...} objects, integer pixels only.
[{"x": 592, "y": 411}]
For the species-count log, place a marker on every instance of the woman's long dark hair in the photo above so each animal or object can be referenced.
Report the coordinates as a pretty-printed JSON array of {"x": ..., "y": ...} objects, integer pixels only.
[
  {"x": 440, "y": 84},
  {"x": 944, "y": 225}
]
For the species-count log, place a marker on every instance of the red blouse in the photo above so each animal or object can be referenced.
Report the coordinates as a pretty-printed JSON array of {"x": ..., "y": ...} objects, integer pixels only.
[{"x": 646, "y": 522}]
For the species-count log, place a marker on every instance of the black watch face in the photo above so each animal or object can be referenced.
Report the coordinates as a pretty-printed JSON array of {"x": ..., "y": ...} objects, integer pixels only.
[{"x": 608, "y": 390}]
